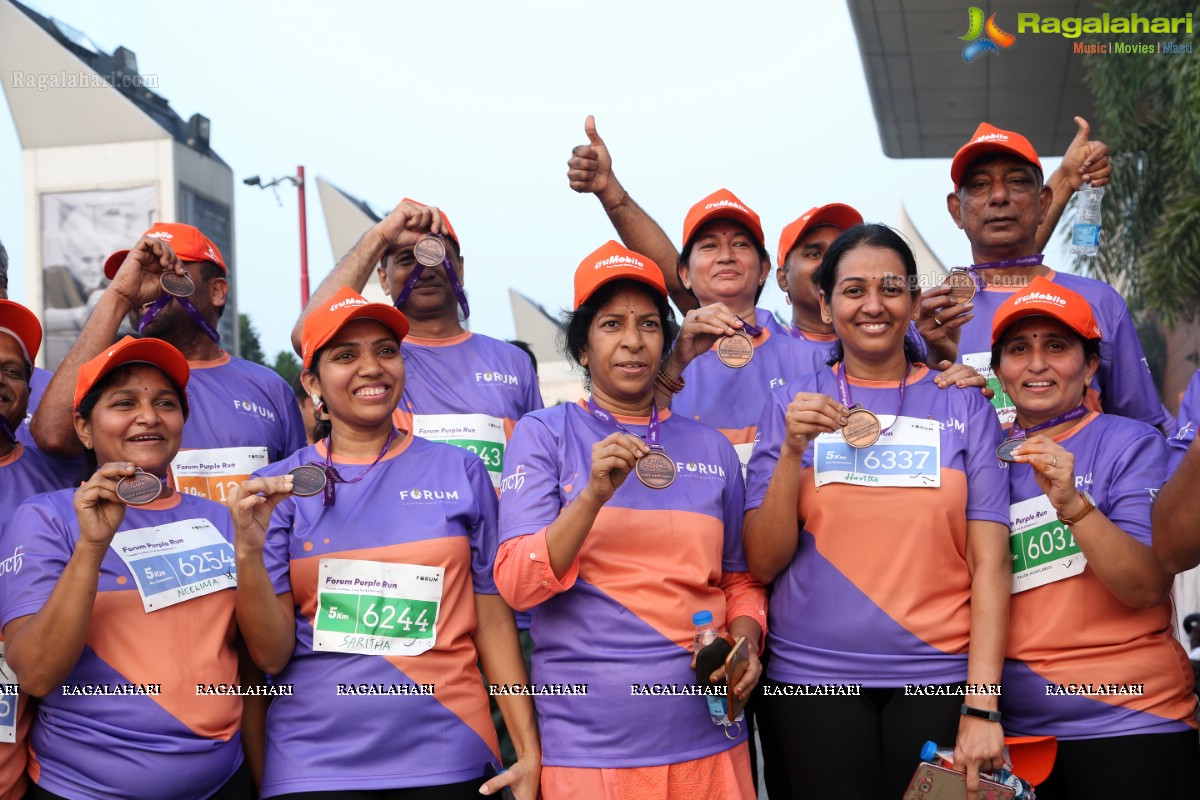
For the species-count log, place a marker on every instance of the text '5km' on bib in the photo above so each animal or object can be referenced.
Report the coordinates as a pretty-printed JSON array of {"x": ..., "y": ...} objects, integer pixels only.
[
  {"x": 907, "y": 454},
  {"x": 377, "y": 609},
  {"x": 176, "y": 562}
]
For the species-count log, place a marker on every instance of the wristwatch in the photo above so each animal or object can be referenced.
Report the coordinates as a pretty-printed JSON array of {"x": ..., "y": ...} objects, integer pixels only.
[{"x": 1089, "y": 505}]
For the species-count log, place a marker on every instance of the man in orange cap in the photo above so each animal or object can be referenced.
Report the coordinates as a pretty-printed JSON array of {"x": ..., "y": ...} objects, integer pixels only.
[
  {"x": 243, "y": 414},
  {"x": 999, "y": 201}
]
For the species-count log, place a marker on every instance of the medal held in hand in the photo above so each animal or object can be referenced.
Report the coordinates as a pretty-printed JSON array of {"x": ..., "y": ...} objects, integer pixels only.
[
  {"x": 139, "y": 488},
  {"x": 655, "y": 469},
  {"x": 735, "y": 351},
  {"x": 429, "y": 251},
  {"x": 176, "y": 285},
  {"x": 863, "y": 428},
  {"x": 962, "y": 285},
  {"x": 308, "y": 480}
]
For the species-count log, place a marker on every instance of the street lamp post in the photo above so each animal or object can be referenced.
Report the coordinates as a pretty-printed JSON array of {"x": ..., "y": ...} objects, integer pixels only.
[{"x": 296, "y": 180}]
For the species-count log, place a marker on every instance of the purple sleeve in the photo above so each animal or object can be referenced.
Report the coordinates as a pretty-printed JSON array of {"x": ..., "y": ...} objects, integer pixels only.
[
  {"x": 1189, "y": 417},
  {"x": 277, "y": 552},
  {"x": 987, "y": 481},
  {"x": 533, "y": 390},
  {"x": 529, "y": 492},
  {"x": 771, "y": 430},
  {"x": 46, "y": 545},
  {"x": 1126, "y": 385},
  {"x": 733, "y": 557},
  {"x": 1138, "y": 472},
  {"x": 483, "y": 527},
  {"x": 292, "y": 424}
]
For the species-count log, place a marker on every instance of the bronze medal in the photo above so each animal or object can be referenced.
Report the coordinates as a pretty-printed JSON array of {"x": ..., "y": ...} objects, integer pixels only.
[
  {"x": 962, "y": 286},
  {"x": 656, "y": 470},
  {"x": 429, "y": 251},
  {"x": 1005, "y": 451},
  {"x": 735, "y": 351},
  {"x": 139, "y": 488},
  {"x": 862, "y": 429},
  {"x": 308, "y": 480},
  {"x": 176, "y": 285}
]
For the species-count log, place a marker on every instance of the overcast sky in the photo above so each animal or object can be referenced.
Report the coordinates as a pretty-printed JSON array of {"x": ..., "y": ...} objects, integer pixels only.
[{"x": 474, "y": 106}]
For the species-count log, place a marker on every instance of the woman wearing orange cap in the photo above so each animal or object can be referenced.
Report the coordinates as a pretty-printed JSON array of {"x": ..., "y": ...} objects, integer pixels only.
[
  {"x": 117, "y": 608},
  {"x": 365, "y": 582},
  {"x": 620, "y": 521},
  {"x": 1092, "y": 658},
  {"x": 877, "y": 508}
]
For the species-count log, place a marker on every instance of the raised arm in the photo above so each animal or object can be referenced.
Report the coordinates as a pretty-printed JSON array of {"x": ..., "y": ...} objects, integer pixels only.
[
  {"x": 134, "y": 285},
  {"x": 1084, "y": 162},
  {"x": 589, "y": 170},
  {"x": 407, "y": 223}
]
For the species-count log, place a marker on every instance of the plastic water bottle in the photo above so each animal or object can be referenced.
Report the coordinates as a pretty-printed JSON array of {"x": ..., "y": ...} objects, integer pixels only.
[
  {"x": 931, "y": 753},
  {"x": 706, "y": 634},
  {"x": 1085, "y": 233}
]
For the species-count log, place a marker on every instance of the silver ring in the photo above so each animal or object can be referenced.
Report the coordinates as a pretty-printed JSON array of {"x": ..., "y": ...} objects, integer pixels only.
[
  {"x": 1054, "y": 463},
  {"x": 937, "y": 321}
]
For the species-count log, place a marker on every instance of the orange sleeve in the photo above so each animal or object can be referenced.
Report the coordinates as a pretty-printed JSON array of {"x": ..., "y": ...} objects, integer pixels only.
[
  {"x": 745, "y": 597},
  {"x": 523, "y": 574}
]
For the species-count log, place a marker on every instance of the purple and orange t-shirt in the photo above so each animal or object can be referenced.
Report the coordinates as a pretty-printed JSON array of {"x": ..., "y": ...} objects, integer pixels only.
[
  {"x": 622, "y": 615},
  {"x": 1067, "y": 634},
  {"x": 243, "y": 416},
  {"x": 384, "y": 584},
  {"x": 1123, "y": 384},
  {"x": 731, "y": 399},
  {"x": 163, "y": 620},
  {"x": 24, "y": 472},
  {"x": 878, "y": 591}
]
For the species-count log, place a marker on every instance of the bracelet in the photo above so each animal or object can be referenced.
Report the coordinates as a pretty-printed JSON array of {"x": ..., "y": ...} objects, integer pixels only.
[
  {"x": 671, "y": 386},
  {"x": 979, "y": 713}
]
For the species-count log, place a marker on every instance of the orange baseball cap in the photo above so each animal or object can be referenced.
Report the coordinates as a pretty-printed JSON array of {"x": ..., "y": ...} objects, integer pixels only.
[
  {"x": 1045, "y": 298},
  {"x": 839, "y": 215},
  {"x": 990, "y": 139},
  {"x": 613, "y": 261},
  {"x": 445, "y": 220},
  {"x": 129, "y": 350},
  {"x": 323, "y": 323},
  {"x": 721, "y": 204},
  {"x": 22, "y": 324},
  {"x": 187, "y": 242}
]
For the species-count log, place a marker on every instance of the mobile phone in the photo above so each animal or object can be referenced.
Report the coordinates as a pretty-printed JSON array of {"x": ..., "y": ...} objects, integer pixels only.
[
  {"x": 490, "y": 772},
  {"x": 736, "y": 664},
  {"x": 938, "y": 783}
]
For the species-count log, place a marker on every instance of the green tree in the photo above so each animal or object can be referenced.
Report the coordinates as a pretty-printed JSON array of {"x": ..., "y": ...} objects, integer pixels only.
[
  {"x": 250, "y": 344},
  {"x": 286, "y": 365},
  {"x": 1148, "y": 112}
]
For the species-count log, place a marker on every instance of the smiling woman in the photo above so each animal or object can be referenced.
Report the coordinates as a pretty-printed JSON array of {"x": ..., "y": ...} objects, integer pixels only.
[
  {"x": 377, "y": 573},
  {"x": 924, "y": 602},
  {"x": 619, "y": 521},
  {"x": 1090, "y": 600},
  {"x": 118, "y": 611}
]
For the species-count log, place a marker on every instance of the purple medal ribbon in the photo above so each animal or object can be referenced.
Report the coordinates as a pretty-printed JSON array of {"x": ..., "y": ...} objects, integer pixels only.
[
  {"x": 189, "y": 308},
  {"x": 754, "y": 330},
  {"x": 1008, "y": 263},
  {"x": 1075, "y": 413},
  {"x": 651, "y": 436},
  {"x": 331, "y": 474},
  {"x": 451, "y": 276},
  {"x": 844, "y": 392}
]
